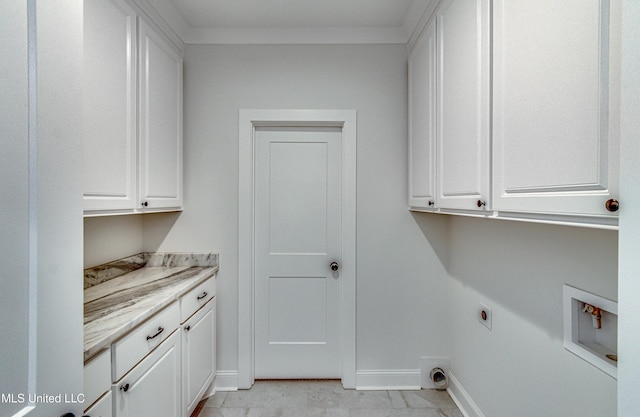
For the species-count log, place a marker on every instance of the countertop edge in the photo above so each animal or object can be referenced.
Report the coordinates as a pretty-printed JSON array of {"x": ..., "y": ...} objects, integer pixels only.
[{"x": 112, "y": 337}]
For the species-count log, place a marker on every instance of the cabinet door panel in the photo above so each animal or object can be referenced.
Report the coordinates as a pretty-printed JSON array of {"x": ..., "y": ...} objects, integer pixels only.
[
  {"x": 109, "y": 105},
  {"x": 198, "y": 364},
  {"x": 152, "y": 386},
  {"x": 556, "y": 88},
  {"x": 463, "y": 141},
  {"x": 160, "y": 122},
  {"x": 102, "y": 408},
  {"x": 422, "y": 120}
]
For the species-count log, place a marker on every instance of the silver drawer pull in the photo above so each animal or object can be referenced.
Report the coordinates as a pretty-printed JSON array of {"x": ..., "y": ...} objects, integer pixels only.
[
  {"x": 160, "y": 330},
  {"x": 204, "y": 294}
]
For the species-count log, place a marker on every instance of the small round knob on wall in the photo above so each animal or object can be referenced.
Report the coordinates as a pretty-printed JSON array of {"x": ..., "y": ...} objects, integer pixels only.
[
  {"x": 334, "y": 266},
  {"x": 612, "y": 205}
]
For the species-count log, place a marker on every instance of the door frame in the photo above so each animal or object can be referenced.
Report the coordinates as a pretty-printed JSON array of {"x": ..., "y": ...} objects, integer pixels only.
[{"x": 249, "y": 120}]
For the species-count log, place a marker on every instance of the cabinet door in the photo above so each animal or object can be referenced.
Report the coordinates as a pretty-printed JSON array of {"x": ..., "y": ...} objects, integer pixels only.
[
  {"x": 102, "y": 408},
  {"x": 556, "y": 84},
  {"x": 198, "y": 356},
  {"x": 160, "y": 122},
  {"x": 422, "y": 120},
  {"x": 152, "y": 387},
  {"x": 463, "y": 131},
  {"x": 110, "y": 178}
]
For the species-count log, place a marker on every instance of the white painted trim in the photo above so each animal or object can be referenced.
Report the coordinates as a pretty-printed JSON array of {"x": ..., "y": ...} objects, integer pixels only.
[
  {"x": 296, "y": 36},
  {"x": 467, "y": 406},
  {"x": 388, "y": 379},
  {"x": 414, "y": 29},
  {"x": 248, "y": 120},
  {"x": 226, "y": 381}
]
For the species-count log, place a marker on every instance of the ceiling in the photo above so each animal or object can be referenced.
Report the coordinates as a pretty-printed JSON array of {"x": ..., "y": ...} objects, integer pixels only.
[
  {"x": 292, "y": 21},
  {"x": 291, "y": 13}
]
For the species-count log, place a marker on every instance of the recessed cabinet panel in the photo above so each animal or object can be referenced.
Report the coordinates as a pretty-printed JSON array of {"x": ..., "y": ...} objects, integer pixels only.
[
  {"x": 160, "y": 122},
  {"x": 198, "y": 356},
  {"x": 152, "y": 387},
  {"x": 422, "y": 120},
  {"x": 109, "y": 105},
  {"x": 556, "y": 81},
  {"x": 102, "y": 408},
  {"x": 463, "y": 141}
]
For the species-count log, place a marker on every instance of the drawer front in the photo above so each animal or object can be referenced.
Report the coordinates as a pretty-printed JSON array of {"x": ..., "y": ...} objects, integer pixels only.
[
  {"x": 136, "y": 345},
  {"x": 97, "y": 377},
  {"x": 196, "y": 298},
  {"x": 103, "y": 408}
]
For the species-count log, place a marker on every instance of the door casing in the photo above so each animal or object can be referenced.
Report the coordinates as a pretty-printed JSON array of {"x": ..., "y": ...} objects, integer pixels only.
[{"x": 249, "y": 119}]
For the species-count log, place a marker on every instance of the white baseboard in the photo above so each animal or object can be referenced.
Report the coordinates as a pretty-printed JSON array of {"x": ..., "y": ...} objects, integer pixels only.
[
  {"x": 226, "y": 381},
  {"x": 388, "y": 379},
  {"x": 427, "y": 363},
  {"x": 467, "y": 407}
]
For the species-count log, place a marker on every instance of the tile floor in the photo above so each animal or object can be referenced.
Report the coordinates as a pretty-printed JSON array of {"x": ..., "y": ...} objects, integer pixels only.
[{"x": 325, "y": 398}]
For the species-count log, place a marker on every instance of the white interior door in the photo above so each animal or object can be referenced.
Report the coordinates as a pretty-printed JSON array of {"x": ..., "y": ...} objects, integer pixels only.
[{"x": 297, "y": 236}]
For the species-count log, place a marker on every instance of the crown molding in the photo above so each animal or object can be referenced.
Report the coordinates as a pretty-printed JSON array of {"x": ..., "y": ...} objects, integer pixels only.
[{"x": 367, "y": 35}]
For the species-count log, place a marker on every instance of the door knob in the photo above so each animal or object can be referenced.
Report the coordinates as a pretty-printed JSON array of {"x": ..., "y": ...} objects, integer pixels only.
[
  {"x": 334, "y": 266},
  {"x": 612, "y": 205}
]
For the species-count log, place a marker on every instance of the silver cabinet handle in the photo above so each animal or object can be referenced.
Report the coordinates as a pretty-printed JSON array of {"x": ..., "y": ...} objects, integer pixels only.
[{"x": 160, "y": 330}]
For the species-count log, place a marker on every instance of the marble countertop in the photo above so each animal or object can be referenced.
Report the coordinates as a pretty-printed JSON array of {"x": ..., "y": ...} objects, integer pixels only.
[{"x": 114, "y": 307}]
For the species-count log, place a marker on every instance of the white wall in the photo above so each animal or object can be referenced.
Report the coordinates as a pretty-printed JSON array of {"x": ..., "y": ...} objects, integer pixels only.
[
  {"x": 112, "y": 237},
  {"x": 520, "y": 367},
  {"x": 400, "y": 278},
  {"x": 40, "y": 204}
]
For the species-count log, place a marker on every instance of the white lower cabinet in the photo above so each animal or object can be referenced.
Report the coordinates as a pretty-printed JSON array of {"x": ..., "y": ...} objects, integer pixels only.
[
  {"x": 97, "y": 385},
  {"x": 161, "y": 368},
  {"x": 198, "y": 358},
  {"x": 152, "y": 387},
  {"x": 102, "y": 408}
]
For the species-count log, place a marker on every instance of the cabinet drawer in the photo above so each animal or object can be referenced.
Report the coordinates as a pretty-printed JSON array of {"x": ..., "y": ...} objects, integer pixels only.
[
  {"x": 97, "y": 376},
  {"x": 136, "y": 345},
  {"x": 196, "y": 298},
  {"x": 103, "y": 408}
]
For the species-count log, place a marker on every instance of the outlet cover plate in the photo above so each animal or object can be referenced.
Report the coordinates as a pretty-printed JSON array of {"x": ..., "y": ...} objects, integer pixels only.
[{"x": 484, "y": 315}]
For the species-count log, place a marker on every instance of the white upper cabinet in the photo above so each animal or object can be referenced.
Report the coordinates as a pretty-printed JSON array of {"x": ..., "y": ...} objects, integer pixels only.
[
  {"x": 132, "y": 111},
  {"x": 422, "y": 120},
  {"x": 556, "y": 90},
  {"x": 532, "y": 135},
  {"x": 463, "y": 105},
  {"x": 109, "y": 105},
  {"x": 160, "y": 122}
]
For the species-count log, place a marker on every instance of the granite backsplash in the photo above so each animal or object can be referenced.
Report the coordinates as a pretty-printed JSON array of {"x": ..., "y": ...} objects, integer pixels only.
[{"x": 101, "y": 273}]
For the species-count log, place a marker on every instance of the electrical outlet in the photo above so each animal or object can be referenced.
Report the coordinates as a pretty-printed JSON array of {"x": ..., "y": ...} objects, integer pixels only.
[{"x": 484, "y": 315}]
